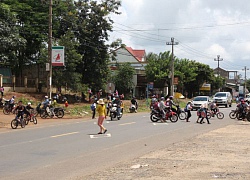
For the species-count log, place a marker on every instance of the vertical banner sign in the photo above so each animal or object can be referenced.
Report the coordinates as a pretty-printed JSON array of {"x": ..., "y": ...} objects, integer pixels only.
[{"x": 57, "y": 56}]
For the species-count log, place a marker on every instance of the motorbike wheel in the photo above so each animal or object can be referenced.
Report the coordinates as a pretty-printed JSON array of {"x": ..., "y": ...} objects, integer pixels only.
[
  {"x": 44, "y": 115},
  {"x": 14, "y": 124},
  {"x": 239, "y": 116},
  {"x": 248, "y": 117},
  {"x": 34, "y": 119},
  {"x": 173, "y": 118},
  {"x": 182, "y": 115},
  {"x": 112, "y": 116},
  {"x": 220, "y": 115},
  {"x": 154, "y": 118},
  {"x": 60, "y": 114},
  {"x": 209, "y": 115},
  {"x": 6, "y": 111},
  {"x": 232, "y": 115}
]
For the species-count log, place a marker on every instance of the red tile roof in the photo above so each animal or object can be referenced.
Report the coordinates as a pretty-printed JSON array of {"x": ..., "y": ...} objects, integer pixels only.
[{"x": 138, "y": 54}]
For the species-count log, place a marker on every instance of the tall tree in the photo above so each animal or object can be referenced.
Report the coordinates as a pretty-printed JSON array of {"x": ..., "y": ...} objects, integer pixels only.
[
  {"x": 93, "y": 25},
  {"x": 123, "y": 78}
]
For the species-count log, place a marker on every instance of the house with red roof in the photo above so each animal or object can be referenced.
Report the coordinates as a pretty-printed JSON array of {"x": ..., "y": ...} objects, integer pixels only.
[{"x": 137, "y": 58}]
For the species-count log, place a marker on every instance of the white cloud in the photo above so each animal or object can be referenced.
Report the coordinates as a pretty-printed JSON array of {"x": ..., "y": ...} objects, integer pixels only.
[{"x": 204, "y": 29}]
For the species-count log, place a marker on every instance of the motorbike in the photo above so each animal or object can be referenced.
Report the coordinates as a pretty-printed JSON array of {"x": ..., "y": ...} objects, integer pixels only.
[
  {"x": 132, "y": 108},
  {"x": 218, "y": 114},
  {"x": 233, "y": 113},
  {"x": 170, "y": 115},
  {"x": 181, "y": 114},
  {"x": 7, "y": 109},
  {"x": 59, "y": 112},
  {"x": 114, "y": 112}
]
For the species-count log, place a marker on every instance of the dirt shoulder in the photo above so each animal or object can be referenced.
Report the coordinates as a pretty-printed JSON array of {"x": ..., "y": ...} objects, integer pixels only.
[{"x": 219, "y": 154}]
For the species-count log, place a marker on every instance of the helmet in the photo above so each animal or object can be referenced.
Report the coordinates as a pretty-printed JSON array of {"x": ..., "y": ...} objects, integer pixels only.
[
  {"x": 14, "y": 97},
  {"x": 29, "y": 103},
  {"x": 46, "y": 97},
  {"x": 171, "y": 97},
  {"x": 162, "y": 98}
]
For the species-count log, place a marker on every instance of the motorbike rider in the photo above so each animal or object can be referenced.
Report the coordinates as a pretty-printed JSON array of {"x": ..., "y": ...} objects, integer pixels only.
[
  {"x": 214, "y": 108},
  {"x": 12, "y": 102},
  {"x": 153, "y": 100},
  {"x": 242, "y": 108},
  {"x": 20, "y": 110},
  {"x": 171, "y": 103},
  {"x": 134, "y": 102},
  {"x": 117, "y": 101},
  {"x": 162, "y": 108}
]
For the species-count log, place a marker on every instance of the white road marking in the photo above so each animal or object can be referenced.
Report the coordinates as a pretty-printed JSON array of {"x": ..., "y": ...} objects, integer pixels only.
[
  {"x": 127, "y": 123},
  {"x": 156, "y": 124},
  {"x": 99, "y": 136},
  {"x": 66, "y": 134}
]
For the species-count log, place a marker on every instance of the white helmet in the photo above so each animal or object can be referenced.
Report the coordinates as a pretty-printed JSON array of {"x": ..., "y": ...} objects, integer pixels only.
[
  {"x": 29, "y": 103},
  {"x": 46, "y": 97}
]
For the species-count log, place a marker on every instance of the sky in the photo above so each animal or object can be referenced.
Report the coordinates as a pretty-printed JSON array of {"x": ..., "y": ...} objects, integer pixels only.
[{"x": 203, "y": 29}]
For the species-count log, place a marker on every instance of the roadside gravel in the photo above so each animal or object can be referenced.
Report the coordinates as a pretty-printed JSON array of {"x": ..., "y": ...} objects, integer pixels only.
[{"x": 219, "y": 154}]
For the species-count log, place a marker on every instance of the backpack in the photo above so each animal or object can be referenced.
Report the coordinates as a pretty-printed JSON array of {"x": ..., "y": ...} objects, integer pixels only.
[
  {"x": 92, "y": 107},
  {"x": 185, "y": 109}
]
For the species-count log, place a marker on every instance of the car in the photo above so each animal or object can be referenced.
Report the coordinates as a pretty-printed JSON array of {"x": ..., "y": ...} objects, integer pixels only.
[
  {"x": 223, "y": 98},
  {"x": 199, "y": 100}
]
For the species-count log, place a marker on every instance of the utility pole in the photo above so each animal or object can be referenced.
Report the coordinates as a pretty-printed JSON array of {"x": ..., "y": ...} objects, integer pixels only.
[
  {"x": 172, "y": 43},
  {"x": 218, "y": 59},
  {"x": 50, "y": 48},
  {"x": 245, "y": 84}
]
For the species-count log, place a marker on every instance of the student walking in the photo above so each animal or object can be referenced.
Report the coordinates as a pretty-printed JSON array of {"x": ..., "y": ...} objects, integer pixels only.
[
  {"x": 188, "y": 110},
  {"x": 101, "y": 109}
]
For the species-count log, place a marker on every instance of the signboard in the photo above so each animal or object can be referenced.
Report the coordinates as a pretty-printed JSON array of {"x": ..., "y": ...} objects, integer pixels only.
[
  {"x": 47, "y": 66},
  {"x": 151, "y": 86},
  {"x": 205, "y": 87},
  {"x": 241, "y": 90},
  {"x": 58, "y": 56}
]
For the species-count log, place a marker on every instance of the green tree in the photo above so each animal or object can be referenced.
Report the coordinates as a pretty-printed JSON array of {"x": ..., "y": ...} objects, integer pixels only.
[
  {"x": 93, "y": 25},
  {"x": 123, "y": 78},
  {"x": 158, "y": 67}
]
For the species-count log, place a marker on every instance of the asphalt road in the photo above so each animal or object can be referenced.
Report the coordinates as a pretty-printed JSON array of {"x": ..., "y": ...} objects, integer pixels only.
[{"x": 72, "y": 150}]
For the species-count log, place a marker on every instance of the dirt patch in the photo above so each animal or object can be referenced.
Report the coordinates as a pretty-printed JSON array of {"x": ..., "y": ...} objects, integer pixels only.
[{"x": 219, "y": 154}]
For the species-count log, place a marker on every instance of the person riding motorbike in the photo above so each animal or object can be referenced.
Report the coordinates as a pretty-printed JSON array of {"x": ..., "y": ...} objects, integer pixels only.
[
  {"x": 12, "y": 102},
  {"x": 214, "y": 108},
  {"x": 242, "y": 108},
  {"x": 118, "y": 103},
  {"x": 171, "y": 103},
  {"x": 162, "y": 108},
  {"x": 153, "y": 100},
  {"x": 134, "y": 102}
]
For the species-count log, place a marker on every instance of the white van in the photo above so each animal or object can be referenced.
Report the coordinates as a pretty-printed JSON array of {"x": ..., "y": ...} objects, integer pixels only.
[{"x": 223, "y": 98}]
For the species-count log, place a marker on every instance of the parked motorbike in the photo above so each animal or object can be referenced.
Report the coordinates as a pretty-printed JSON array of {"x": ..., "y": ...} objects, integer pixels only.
[
  {"x": 59, "y": 112},
  {"x": 7, "y": 109},
  {"x": 170, "y": 115},
  {"x": 132, "y": 108},
  {"x": 114, "y": 112}
]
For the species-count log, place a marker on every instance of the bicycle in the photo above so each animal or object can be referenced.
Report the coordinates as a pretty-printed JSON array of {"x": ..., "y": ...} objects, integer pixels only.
[
  {"x": 17, "y": 121},
  {"x": 31, "y": 118},
  {"x": 218, "y": 114}
]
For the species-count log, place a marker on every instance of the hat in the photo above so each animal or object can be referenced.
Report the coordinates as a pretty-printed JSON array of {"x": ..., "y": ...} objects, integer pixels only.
[
  {"x": 46, "y": 96},
  {"x": 100, "y": 101}
]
